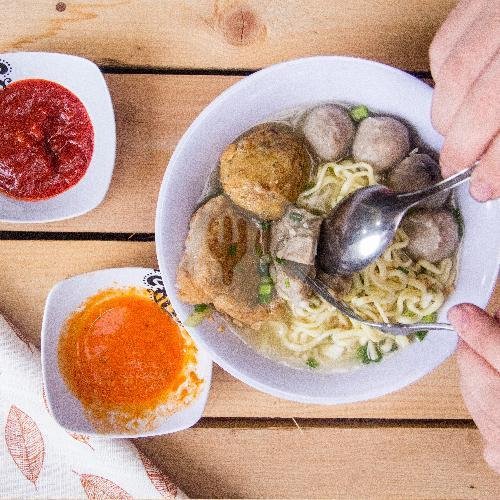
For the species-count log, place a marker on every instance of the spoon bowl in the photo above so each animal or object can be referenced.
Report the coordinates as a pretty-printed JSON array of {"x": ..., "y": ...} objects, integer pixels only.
[{"x": 363, "y": 224}]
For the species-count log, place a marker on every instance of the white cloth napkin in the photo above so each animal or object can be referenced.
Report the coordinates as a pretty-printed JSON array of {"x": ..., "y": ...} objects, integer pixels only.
[{"x": 38, "y": 458}]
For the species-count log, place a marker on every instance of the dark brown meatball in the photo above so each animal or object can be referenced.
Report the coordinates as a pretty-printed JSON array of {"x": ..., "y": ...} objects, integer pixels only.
[
  {"x": 381, "y": 141},
  {"x": 330, "y": 131},
  {"x": 416, "y": 172},
  {"x": 433, "y": 234}
]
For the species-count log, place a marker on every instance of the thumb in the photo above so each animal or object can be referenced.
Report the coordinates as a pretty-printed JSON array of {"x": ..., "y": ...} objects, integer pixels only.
[{"x": 478, "y": 330}]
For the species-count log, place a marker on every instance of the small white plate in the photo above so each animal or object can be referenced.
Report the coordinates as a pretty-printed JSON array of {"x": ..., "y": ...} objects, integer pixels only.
[
  {"x": 64, "y": 299},
  {"x": 85, "y": 80}
]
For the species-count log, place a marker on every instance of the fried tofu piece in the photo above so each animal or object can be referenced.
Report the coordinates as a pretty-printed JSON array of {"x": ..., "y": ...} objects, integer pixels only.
[{"x": 220, "y": 264}]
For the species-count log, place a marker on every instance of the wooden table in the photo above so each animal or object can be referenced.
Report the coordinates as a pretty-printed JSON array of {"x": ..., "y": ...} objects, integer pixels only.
[{"x": 164, "y": 61}]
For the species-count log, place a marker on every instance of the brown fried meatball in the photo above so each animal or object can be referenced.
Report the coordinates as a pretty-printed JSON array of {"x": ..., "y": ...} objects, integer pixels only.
[
  {"x": 330, "y": 131},
  {"x": 265, "y": 169},
  {"x": 416, "y": 172},
  {"x": 433, "y": 234},
  {"x": 381, "y": 141}
]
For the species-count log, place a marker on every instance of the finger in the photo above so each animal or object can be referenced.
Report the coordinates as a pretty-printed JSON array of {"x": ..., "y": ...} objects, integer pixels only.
[
  {"x": 478, "y": 330},
  {"x": 485, "y": 181},
  {"x": 492, "y": 456},
  {"x": 465, "y": 63},
  {"x": 458, "y": 20},
  {"x": 480, "y": 386},
  {"x": 475, "y": 124}
]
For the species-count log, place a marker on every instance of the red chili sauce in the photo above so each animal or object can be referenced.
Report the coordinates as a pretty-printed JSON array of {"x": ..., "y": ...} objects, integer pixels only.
[{"x": 46, "y": 139}]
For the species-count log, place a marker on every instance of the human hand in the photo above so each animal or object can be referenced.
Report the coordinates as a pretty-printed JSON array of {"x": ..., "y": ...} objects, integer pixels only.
[
  {"x": 465, "y": 65},
  {"x": 478, "y": 358}
]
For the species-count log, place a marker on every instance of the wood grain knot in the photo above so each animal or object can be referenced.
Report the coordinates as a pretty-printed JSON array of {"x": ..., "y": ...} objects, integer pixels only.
[
  {"x": 239, "y": 24},
  {"x": 60, "y": 7}
]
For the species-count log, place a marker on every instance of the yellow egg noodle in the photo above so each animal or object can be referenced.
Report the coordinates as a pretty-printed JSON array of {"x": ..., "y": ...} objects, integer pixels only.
[{"x": 392, "y": 289}]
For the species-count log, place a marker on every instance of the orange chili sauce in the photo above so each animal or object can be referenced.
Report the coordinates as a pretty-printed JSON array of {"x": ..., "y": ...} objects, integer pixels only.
[{"x": 122, "y": 353}]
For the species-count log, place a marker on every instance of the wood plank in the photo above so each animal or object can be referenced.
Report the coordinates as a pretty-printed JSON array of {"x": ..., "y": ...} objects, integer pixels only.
[
  {"x": 224, "y": 33},
  {"x": 327, "y": 462},
  {"x": 152, "y": 113},
  {"x": 30, "y": 268}
]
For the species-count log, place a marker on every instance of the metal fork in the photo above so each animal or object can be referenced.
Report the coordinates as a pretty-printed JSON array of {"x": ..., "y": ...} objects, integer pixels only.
[{"x": 300, "y": 272}]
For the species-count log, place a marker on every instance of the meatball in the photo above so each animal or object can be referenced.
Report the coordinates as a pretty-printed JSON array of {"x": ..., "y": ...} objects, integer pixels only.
[
  {"x": 381, "y": 141},
  {"x": 416, "y": 172},
  {"x": 433, "y": 234},
  {"x": 330, "y": 131},
  {"x": 265, "y": 169}
]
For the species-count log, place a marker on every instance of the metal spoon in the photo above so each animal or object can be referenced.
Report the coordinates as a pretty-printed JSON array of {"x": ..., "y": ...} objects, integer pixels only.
[
  {"x": 300, "y": 272},
  {"x": 363, "y": 225}
]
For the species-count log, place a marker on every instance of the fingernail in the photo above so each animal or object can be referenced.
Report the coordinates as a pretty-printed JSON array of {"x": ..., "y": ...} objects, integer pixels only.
[
  {"x": 455, "y": 314},
  {"x": 461, "y": 313},
  {"x": 481, "y": 190}
]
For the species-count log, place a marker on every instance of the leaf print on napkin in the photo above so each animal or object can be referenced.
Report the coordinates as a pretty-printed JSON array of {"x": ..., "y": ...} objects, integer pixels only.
[
  {"x": 97, "y": 488},
  {"x": 160, "y": 481},
  {"x": 45, "y": 402},
  {"x": 81, "y": 438},
  {"x": 20, "y": 335},
  {"x": 25, "y": 443}
]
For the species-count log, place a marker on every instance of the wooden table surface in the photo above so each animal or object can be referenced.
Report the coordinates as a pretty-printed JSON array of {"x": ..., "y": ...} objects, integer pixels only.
[{"x": 164, "y": 61}]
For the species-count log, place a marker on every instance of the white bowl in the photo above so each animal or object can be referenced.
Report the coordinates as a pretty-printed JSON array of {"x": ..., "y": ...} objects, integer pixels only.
[
  {"x": 64, "y": 299},
  {"x": 84, "y": 79},
  {"x": 305, "y": 82}
]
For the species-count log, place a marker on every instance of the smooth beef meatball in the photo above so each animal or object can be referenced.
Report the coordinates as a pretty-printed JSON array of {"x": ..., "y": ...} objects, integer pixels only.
[
  {"x": 330, "y": 131},
  {"x": 416, "y": 172},
  {"x": 381, "y": 141},
  {"x": 265, "y": 169},
  {"x": 433, "y": 234}
]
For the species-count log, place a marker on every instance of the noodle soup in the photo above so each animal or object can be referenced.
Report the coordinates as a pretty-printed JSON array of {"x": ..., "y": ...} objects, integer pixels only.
[{"x": 267, "y": 198}]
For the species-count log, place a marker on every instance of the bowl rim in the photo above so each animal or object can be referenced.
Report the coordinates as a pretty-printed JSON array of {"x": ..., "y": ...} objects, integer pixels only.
[{"x": 231, "y": 368}]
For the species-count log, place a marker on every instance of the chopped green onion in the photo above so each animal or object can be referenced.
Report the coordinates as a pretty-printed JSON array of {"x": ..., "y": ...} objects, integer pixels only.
[
  {"x": 312, "y": 363},
  {"x": 287, "y": 283},
  {"x": 310, "y": 185},
  {"x": 265, "y": 225},
  {"x": 359, "y": 113},
  {"x": 295, "y": 216},
  {"x": 459, "y": 220},
  {"x": 278, "y": 260},
  {"x": 408, "y": 313},
  {"x": 265, "y": 290},
  {"x": 233, "y": 248},
  {"x": 403, "y": 269},
  {"x": 373, "y": 351},
  {"x": 258, "y": 250},
  {"x": 362, "y": 354},
  {"x": 199, "y": 314},
  {"x": 199, "y": 308},
  {"x": 369, "y": 353},
  {"x": 420, "y": 334},
  {"x": 430, "y": 318}
]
